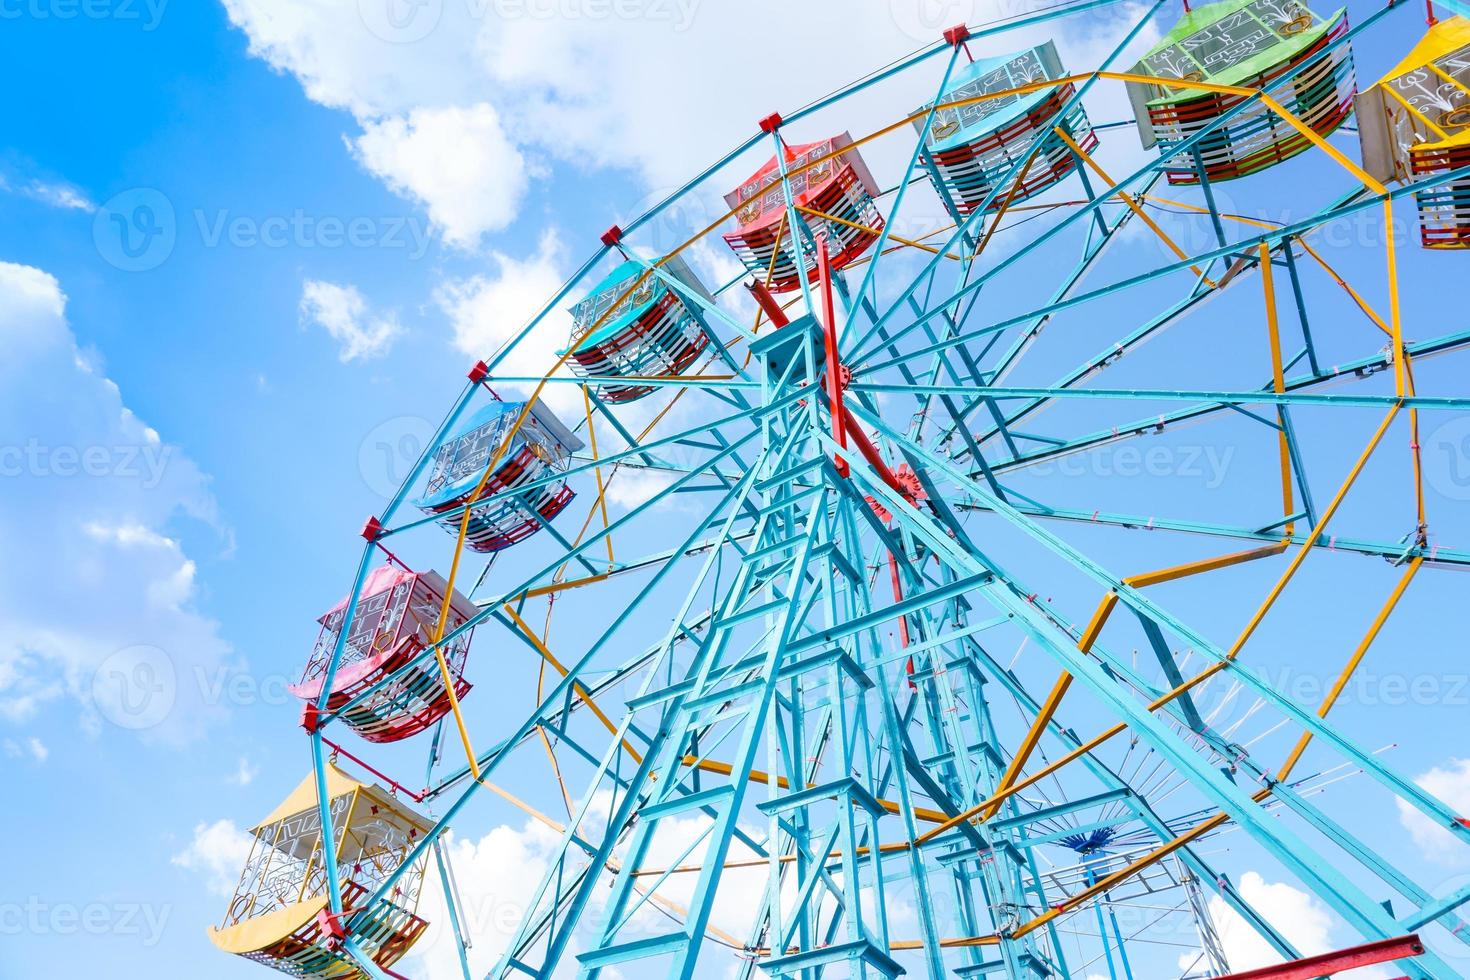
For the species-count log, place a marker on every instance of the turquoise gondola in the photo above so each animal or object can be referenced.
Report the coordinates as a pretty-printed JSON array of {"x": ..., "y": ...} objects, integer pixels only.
[
  {"x": 654, "y": 331},
  {"x": 539, "y": 448},
  {"x": 970, "y": 148}
]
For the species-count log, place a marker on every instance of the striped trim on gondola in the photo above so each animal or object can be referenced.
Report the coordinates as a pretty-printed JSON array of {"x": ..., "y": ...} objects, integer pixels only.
[
  {"x": 1444, "y": 211},
  {"x": 505, "y": 523},
  {"x": 970, "y": 171},
  {"x": 385, "y": 935},
  {"x": 1320, "y": 94},
  {"x": 664, "y": 339},
  {"x": 410, "y": 703},
  {"x": 844, "y": 198}
]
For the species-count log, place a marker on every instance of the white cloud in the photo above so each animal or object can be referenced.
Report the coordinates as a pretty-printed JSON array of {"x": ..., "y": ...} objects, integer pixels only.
[
  {"x": 57, "y": 194},
  {"x": 486, "y": 311},
  {"x": 218, "y": 852},
  {"x": 495, "y": 876},
  {"x": 631, "y": 486},
  {"x": 457, "y": 162},
  {"x": 31, "y": 746},
  {"x": 244, "y": 774},
  {"x": 60, "y": 196},
  {"x": 1305, "y": 921},
  {"x": 102, "y": 606},
  {"x": 360, "y": 333},
  {"x": 453, "y": 96},
  {"x": 1449, "y": 783}
]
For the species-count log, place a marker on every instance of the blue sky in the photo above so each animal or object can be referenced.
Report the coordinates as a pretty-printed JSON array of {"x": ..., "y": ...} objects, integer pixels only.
[{"x": 325, "y": 219}]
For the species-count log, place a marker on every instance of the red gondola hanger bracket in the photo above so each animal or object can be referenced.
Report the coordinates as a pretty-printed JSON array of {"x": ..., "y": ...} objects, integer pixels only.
[
  {"x": 479, "y": 371},
  {"x": 330, "y": 923},
  {"x": 372, "y": 529}
]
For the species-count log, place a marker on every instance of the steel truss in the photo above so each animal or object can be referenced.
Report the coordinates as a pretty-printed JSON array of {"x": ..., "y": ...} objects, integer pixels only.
[{"x": 819, "y": 716}]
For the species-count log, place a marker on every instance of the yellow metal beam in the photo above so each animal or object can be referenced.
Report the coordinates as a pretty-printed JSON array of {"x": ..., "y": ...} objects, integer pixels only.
[{"x": 1133, "y": 205}]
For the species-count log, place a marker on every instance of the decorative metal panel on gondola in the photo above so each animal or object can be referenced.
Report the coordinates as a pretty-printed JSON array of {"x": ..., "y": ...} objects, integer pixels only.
[
  {"x": 630, "y": 329},
  {"x": 281, "y": 913},
  {"x": 520, "y": 494},
  {"x": 1279, "y": 46},
  {"x": 971, "y": 147},
  {"x": 833, "y": 196},
  {"x": 388, "y": 690},
  {"x": 1415, "y": 124}
]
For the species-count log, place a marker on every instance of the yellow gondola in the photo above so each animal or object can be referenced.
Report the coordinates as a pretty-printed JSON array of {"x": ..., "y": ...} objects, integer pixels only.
[
  {"x": 1415, "y": 123},
  {"x": 280, "y": 915}
]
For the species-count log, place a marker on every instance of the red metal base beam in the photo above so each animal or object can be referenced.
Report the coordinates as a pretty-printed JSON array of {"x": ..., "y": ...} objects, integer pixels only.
[{"x": 1382, "y": 951}]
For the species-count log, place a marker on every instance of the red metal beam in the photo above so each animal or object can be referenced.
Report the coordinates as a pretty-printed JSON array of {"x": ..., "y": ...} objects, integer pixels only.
[
  {"x": 834, "y": 373},
  {"x": 1382, "y": 951},
  {"x": 768, "y": 304}
]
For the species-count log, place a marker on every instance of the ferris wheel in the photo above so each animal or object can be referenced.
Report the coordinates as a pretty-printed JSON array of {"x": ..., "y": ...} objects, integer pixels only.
[{"x": 841, "y": 597}]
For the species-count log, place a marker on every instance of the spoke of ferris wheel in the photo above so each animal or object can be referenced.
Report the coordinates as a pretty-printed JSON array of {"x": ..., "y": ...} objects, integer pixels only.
[
  {"x": 868, "y": 283},
  {"x": 1094, "y": 251},
  {"x": 857, "y": 349},
  {"x": 1135, "y": 599},
  {"x": 1192, "y": 302},
  {"x": 1218, "y": 399},
  {"x": 1141, "y": 603},
  {"x": 1189, "y": 304},
  {"x": 1348, "y": 371}
]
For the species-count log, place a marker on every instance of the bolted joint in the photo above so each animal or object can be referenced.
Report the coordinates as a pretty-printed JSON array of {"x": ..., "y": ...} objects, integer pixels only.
[
  {"x": 957, "y": 35},
  {"x": 330, "y": 925},
  {"x": 372, "y": 530},
  {"x": 771, "y": 123},
  {"x": 612, "y": 236},
  {"x": 311, "y": 717},
  {"x": 479, "y": 372}
]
